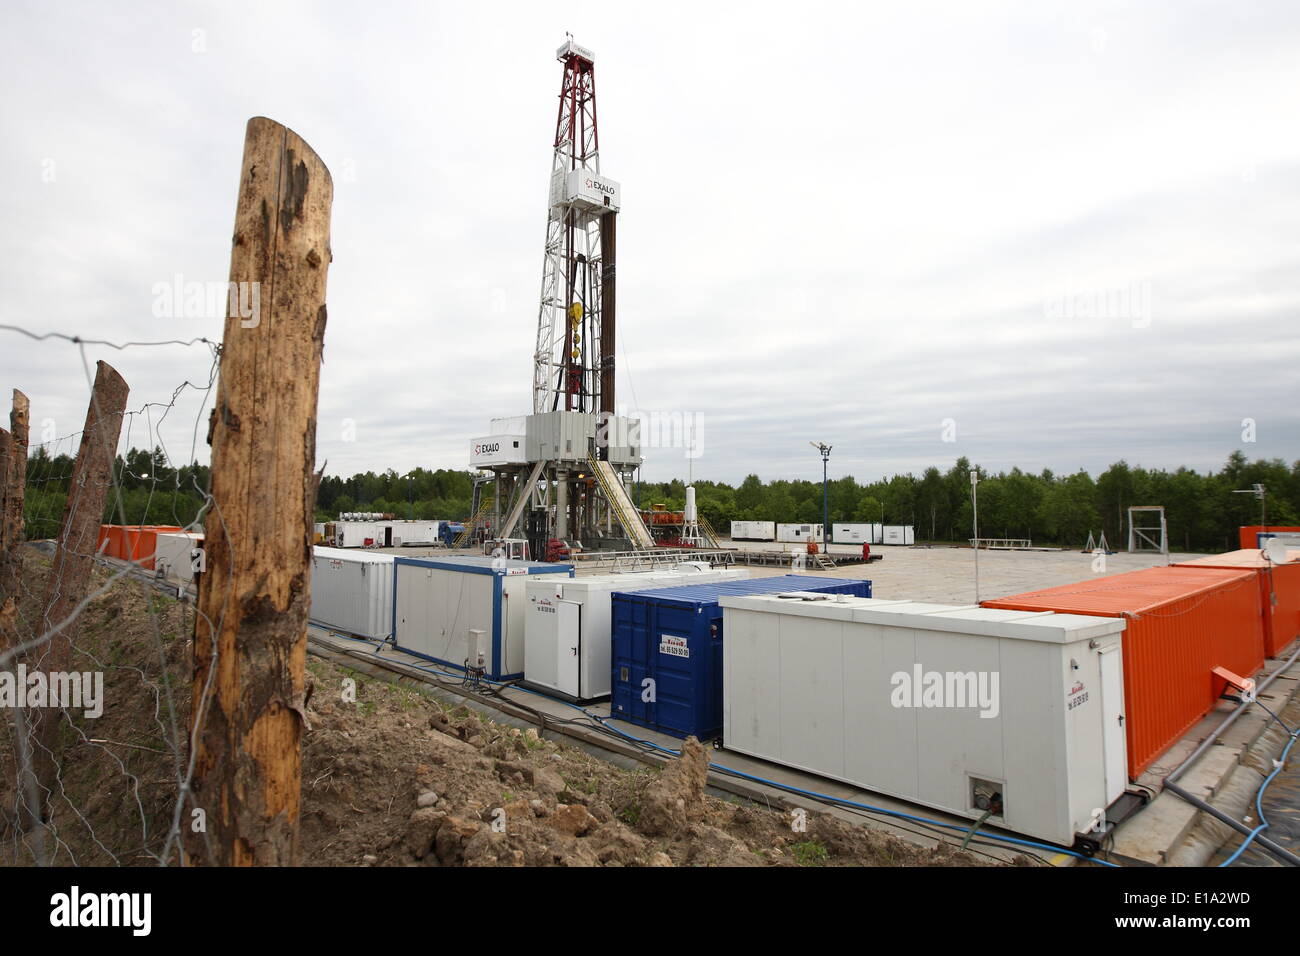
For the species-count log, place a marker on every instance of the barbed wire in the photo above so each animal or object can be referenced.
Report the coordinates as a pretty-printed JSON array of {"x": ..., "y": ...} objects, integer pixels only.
[{"x": 120, "y": 346}]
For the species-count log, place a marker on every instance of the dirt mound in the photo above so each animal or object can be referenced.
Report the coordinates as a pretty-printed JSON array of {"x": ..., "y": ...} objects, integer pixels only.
[{"x": 676, "y": 798}]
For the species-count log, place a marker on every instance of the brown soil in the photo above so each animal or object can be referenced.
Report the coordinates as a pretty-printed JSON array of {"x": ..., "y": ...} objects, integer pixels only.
[{"x": 395, "y": 778}]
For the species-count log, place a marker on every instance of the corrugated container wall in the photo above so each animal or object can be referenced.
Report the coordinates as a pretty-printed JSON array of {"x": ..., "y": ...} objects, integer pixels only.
[
  {"x": 899, "y": 534},
  {"x": 452, "y": 609},
  {"x": 567, "y": 625},
  {"x": 1183, "y": 622},
  {"x": 856, "y": 533},
  {"x": 673, "y": 638},
  {"x": 352, "y": 592},
  {"x": 799, "y": 533},
  {"x": 753, "y": 531},
  {"x": 1279, "y": 592},
  {"x": 1029, "y": 727}
]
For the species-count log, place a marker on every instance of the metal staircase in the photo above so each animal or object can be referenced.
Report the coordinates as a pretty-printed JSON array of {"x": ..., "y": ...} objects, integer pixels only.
[
  {"x": 710, "y": 535},
  {"x": 484, "y": 506},
  {"x": 624, "y": 511},
  {"x": 823, "y": 561}
]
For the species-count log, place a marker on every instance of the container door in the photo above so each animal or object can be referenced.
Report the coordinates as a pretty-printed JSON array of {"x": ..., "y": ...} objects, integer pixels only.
[
  {"x": 568, "y": 647},
  {"x": 1112, "y": 709}
]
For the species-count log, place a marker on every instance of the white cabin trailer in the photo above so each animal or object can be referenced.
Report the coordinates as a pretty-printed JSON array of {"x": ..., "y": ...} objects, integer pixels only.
[
  {"x": 177, "y": 555},
  {"x": 753, "y": 531},
  {"x": 352, "y": 592},
  {"x": 567, "y": 638},
  {"x": 864, "y": 533},
  {"x": 396, "y": 533},
  {"x": 459, "y": 610},
  {"x": 899, "y": 534},
  {"x": 799, "y": 533},
  {"x": 963, "y": 709},
  {"x": 357, "y": 534}
]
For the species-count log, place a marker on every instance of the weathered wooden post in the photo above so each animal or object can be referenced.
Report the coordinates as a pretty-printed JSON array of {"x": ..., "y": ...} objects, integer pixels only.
[
  {"x": 74, "y": 556},
  {"x": 250, "y": 642},
  {"x": 13, "y": 485}
]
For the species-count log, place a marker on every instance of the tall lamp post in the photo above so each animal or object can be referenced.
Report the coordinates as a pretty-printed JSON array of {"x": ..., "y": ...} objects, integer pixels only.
[
  {"x": 410, "y": 494},
  {"x": 975, "y": 526},
  {"x": 825, "y": 450}
]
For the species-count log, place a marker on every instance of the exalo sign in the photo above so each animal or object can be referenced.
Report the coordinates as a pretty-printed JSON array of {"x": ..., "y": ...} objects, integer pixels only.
[
  {"x": 592, "y": 192},
  {"x": 497, "y": 450}
]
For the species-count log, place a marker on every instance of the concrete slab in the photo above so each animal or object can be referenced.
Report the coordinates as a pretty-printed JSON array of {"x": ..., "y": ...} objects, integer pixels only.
[{"x": 1164, "y": 824}]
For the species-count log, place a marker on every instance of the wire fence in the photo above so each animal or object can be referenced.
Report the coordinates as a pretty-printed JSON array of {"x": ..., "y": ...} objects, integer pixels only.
[{"x": 96, "y": 764}]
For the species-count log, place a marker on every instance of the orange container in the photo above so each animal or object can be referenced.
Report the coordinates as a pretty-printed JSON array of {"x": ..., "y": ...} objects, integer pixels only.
[
  {"x": 1279, "y": 593},
  {"x": 1182, "y": 623},
  {"x": 133, "y": 542},
  {"x": 1247, "y": 533},
  {"x": 112, "y": 541}
]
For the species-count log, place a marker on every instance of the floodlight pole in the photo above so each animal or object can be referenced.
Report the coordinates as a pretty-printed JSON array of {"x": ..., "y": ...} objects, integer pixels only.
[
  {"x": 975, "y": 527},
  {"x": 825, "y": 450}
]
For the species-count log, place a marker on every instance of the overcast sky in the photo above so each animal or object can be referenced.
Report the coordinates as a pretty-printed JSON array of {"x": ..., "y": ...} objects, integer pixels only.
[{"x": 879, "y": 226}]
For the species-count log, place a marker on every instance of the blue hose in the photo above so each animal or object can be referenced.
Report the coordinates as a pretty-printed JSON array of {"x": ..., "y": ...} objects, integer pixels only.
[{"x": 1259, "y": 803}]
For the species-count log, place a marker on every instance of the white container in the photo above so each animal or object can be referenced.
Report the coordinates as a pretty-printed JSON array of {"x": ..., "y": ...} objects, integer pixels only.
[
  {"x": 591, "y": 192},
  {"x": 506, "y": 449},
  {"x": 753, "y": 531},
  {"x": 899, "y": 534},
  {"x": 864, "y": 533},
  {"x": 177, "y": 555},
  {"x": 440, "y": 601},
  {"x": 560, "y": 436},
  {"x": 397, "y": 532},
  {"x": 838, "y": 688},
  {"x": 355, "y": 534},
  {"x": 799, "y": 533},
  {"x": 567, "y": 636},
  {"x": 352, "y": 592}
]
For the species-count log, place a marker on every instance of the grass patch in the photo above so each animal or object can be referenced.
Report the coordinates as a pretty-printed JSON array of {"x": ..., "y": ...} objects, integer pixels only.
[{"x": 810, "y": 853}]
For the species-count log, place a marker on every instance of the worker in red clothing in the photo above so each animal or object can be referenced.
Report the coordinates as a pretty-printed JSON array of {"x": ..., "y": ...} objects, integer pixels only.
[{"x": 866, "y": 551}]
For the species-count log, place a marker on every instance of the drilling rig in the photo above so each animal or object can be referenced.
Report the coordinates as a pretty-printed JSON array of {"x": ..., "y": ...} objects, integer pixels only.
[{"x": 558, "y": 477}]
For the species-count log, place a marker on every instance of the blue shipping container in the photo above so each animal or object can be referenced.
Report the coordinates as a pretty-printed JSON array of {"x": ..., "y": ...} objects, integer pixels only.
[{"x": 673, "y": 637}]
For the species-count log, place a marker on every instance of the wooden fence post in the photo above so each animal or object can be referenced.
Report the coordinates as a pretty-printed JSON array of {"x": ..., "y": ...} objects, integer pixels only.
[
  {"x": 12, "y": 492},
  {"x": 250, "y": 640},
  {"x": 92, "y": 473}
]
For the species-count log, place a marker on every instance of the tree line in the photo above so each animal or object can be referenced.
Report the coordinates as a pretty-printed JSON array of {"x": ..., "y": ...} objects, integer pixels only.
[{"x": 1202, "y": 511}]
